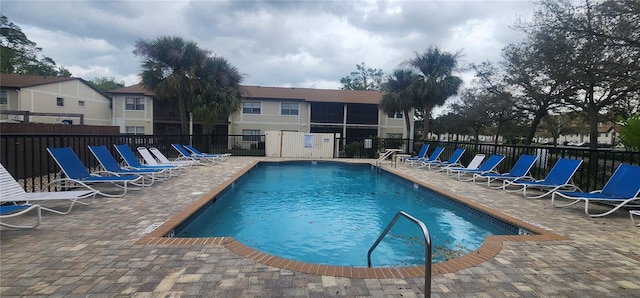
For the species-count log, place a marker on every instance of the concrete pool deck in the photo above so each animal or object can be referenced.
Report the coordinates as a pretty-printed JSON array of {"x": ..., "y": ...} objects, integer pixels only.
[{"x": 96, "y": 250}]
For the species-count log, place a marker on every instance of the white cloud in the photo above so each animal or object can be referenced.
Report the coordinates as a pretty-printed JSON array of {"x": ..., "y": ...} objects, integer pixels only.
[{"x": 274, "y": 43}]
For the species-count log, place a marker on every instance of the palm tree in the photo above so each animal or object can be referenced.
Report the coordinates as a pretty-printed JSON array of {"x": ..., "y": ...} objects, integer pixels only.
[
  {"x": 400, "y": 95},
  {"x": 170, "y": 69},
  {"x": 438, "y": 82},
  {"x": 221, "y": 91}
]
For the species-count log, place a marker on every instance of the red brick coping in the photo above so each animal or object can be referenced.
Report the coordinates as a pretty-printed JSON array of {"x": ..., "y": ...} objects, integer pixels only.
[{"x": 489, "y": 249}]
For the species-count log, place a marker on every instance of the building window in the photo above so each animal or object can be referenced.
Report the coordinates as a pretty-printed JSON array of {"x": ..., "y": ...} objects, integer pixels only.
[
  {"x": 134, "y": 130},
  {"x": 251, "y": 108},
  {"x": 134, "y": 104},
  {"x": 251, "y": 135},
  {"x": 287, "y": 108},
  {"x": 4, "y": 97},
  {"x": 81, "y": 103},
  {"x": 60, "y": 102},
  {"x": 395, "y": 116}
]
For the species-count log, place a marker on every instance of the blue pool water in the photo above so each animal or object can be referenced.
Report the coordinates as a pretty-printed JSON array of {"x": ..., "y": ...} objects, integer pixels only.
[{"x": 331, "y": 213}]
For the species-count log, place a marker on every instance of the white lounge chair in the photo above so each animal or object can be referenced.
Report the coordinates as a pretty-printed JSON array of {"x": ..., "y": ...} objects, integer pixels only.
[
  {"x": 9, "y": 211},
  {"x": 473, "y": 164},
  {"x": 151, "y": 161},
  {"x": 164, "y": 160},
  {"x": 486, "y": 167},
  {"x": 12, "y": 192}
]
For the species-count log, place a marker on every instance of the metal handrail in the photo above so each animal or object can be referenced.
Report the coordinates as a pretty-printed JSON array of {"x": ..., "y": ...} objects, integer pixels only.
[
  {"x": 388, "y": 153},
  {"x": 427, "y": 253}
]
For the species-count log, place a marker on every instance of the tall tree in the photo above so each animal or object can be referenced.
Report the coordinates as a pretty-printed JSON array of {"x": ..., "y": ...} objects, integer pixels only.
[
  {"x": 473, "y": 110},
  {"x": 222, "y": 91},
  {"x": 602, "y": 71},
  {"x": 438, "y": 82},
  {"x": 493, "y": 90},
  {"x": 179, "y": 70},
  {"x": 19, "y": 55},
  {"x": 400, "y": 96},
  {"x": 501, "y": 110},
  {"x": 542, "y": 87},
  {"x": 363, "y": 79},
  {"x": 106, "y": 84}
]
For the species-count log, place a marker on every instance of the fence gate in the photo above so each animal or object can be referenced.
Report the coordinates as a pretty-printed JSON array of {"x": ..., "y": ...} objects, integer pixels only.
[{"x": 299, "y": 144}]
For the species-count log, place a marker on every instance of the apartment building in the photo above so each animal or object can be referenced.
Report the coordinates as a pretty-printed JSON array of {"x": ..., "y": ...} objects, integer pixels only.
[
  {"x": 351, "y": 113},
  {"x": 135, "y": 110},
  {"x": 47, "y": 99}
]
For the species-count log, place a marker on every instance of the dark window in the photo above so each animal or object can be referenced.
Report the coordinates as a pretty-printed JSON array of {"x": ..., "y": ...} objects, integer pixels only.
[
  {"x": 362, "y": 114},
  {"x": 60, "y": 102},
  {"x": 4, "y": 97},
  {"x": 327, "y": 112}
]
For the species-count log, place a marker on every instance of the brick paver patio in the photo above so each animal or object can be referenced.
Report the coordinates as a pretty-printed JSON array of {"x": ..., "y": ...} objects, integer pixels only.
[{"x": 92, "y": 252}]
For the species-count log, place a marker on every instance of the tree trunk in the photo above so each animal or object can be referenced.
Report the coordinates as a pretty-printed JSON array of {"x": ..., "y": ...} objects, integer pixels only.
[
  {"x": 407, "y": 123},
  {"x": 426, "y": 115},
  {"x": 534, "y": 126},
  {"x": 593, "y": 127},
  {"x": 495, "y": 142},
  {"x": 592, "y": 114},
  {"x": 184, "y": 119},
  {"x": 477, "y": 133}
]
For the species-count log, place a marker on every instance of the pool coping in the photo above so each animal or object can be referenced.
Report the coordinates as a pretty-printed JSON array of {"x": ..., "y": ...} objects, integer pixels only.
[{"x": 491, "y": 246}]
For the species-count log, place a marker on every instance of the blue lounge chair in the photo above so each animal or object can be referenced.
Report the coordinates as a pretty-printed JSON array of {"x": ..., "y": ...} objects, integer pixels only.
[
  {"x": 185, "y": 154},
  {"x": 220, "y": 156},
  {"x": 132, "y": 162},
  {"x": 454, "y": 160},
  {"x": 76, "y": 173},
  {"x": 486, "y": 167},
  {"x": 519, "y": 171},
  {"x": 559, "y": 178},
  {"x": 421, "y": 155},
  {"x": 9, "y": 211},
  {"x": 434, "y": 157},
  {"x": 12, "y": 192},
  {"x": 111, "y": 166},
  {"x": 621, "y": 190}
]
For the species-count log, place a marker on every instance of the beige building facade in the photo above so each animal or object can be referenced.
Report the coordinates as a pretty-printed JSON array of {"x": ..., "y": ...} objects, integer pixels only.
[
  {"x": 133, "y": 110},
  {"x": 350, "y": 113},
  {"x": 53, "y": 100}
]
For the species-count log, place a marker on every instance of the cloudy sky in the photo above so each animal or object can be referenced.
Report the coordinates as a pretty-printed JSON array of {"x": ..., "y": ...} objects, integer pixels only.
[{"x": 273, "y": 43}]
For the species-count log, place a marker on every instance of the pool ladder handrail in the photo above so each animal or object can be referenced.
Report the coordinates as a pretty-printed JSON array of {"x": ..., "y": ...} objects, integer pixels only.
[
  {"x": 427, "y": 253},
  {"x": 388, "y": 153}
]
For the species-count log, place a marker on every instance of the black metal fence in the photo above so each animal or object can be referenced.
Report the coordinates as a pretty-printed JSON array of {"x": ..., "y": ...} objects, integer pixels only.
[
  {"x": 598, "y": 165},
  {"x": 26, "y": 158}
]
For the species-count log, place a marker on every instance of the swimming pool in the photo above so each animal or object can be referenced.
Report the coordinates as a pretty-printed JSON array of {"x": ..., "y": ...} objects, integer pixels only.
[{"x": 302, "y": 215}]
